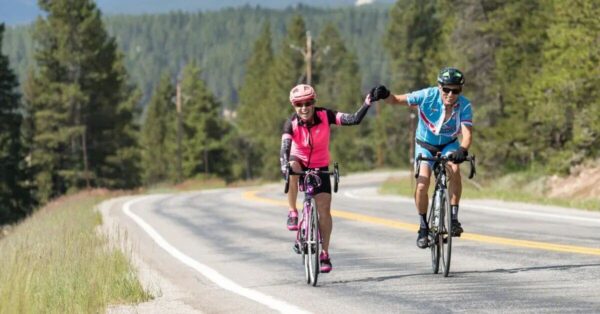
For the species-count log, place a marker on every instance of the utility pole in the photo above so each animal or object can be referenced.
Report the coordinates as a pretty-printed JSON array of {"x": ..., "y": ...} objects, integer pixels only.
[
  {"x": 308, "y": 56},
  {"x": 179, "y": 128}
]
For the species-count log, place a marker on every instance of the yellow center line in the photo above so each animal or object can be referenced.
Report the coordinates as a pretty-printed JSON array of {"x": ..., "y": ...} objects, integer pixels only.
[{"x": 252, "y": 195}]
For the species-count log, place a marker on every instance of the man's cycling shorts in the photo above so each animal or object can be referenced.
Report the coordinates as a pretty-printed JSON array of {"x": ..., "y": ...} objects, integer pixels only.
[
  {"x": 325, "y": 186},
  {"x": 428, "y": 150}
]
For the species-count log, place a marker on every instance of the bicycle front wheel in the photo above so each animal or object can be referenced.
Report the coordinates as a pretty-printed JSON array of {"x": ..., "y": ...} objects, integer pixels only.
[
  {"x": 313, "y": 244},
  {"x": 433, "y": 243},
  {"x": 445, "y": 238}
]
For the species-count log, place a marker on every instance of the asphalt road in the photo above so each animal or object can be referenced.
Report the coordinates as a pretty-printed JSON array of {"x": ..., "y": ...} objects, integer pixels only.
[{"x": 229, "y": 251}]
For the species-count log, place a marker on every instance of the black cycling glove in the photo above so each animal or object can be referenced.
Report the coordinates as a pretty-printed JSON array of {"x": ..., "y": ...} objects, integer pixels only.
[
  {"x": 379, "y": 92},
  {"x": 460, "y": 155}
]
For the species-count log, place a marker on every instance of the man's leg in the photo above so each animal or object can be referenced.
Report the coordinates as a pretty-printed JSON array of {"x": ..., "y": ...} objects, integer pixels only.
[
  {"x": 422, "y": 202},
  {"x": 455, "y": 190}
]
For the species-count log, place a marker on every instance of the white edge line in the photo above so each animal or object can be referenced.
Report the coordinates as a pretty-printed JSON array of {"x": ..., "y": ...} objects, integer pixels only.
[
  {"x": 489, "y": 208},
  {"x": 206, "y": 271}
]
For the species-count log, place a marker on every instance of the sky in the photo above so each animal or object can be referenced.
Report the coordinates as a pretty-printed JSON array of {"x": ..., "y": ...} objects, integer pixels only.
[{"x": 16, "y": 12}]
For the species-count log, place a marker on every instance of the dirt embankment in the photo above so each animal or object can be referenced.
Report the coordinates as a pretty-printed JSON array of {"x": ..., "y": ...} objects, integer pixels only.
[{"x": 583, "y": 182}]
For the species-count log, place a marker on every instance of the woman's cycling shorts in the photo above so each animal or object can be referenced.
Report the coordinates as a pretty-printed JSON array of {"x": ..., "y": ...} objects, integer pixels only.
[{"x": 325, "y": 186}]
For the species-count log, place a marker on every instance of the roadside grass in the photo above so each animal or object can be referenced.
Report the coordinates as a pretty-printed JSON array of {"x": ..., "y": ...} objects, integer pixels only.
[
  {"x": 56, "y": 261},
  {"x": 517, "y": 187}
]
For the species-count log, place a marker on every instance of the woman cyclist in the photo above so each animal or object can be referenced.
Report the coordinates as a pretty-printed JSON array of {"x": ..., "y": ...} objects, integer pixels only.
[{"x": 305, "y": 145}]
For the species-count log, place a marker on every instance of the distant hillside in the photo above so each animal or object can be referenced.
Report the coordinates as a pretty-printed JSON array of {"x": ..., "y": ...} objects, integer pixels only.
[
  {"x": 19, "y": 12},
  {"x": 221, "y": 42}
]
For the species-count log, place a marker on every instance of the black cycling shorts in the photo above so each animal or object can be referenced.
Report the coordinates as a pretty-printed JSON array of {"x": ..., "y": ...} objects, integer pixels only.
[{"x": 325, "y": 186}]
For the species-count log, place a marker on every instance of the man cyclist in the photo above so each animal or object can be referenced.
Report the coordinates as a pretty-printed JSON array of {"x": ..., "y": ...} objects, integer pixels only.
[
  {"x": 443, "y": 115},
  {"x": 305, "y": 145}
]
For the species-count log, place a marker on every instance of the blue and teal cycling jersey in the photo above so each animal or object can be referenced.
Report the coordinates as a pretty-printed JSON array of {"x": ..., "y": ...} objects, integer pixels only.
[{"x": 432, "y": 129}]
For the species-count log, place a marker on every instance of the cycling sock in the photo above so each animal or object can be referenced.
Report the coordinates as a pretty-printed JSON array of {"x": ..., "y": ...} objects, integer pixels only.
[
  {"x": 454, "y": 209},
  {"x": 423, "y": 221}
]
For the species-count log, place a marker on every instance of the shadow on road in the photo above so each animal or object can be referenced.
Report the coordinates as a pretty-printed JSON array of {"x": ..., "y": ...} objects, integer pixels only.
[
  {"x": 452, "y": 274},
  {"x": 523, "y": 269}
]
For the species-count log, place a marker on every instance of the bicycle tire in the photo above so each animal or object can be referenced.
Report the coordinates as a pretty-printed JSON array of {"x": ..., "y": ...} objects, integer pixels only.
[
  {"x": 314, "y": 245},
  {"x": 303, "y": 246},
  {"x": 446, "y": 246},
  {"x": 434, "y": 247}
]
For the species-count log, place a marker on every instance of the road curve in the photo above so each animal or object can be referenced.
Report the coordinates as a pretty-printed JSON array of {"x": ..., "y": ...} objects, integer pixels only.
[{"x": 228, "y": 250}]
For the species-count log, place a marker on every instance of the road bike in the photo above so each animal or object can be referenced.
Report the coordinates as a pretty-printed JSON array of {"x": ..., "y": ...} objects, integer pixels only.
[
  {"x": 308, "y": 238},
  {"x": 439, "y": 218}
]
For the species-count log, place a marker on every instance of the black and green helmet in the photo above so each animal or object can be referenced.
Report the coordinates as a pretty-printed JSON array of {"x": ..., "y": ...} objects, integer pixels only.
[{"x": 451, "y": 76}]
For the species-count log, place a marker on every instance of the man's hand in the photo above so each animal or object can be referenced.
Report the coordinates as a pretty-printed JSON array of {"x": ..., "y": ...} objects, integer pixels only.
[
  {"x": 379, "y": 92},
  {"x": 460, "y": 155}
]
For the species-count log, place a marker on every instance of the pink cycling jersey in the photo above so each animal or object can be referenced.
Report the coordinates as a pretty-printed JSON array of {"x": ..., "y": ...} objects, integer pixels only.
[{"x": 310, "y": 143}]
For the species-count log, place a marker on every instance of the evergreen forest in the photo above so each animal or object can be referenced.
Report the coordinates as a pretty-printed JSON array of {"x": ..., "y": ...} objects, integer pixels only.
[{"x": 125, "y": 101}]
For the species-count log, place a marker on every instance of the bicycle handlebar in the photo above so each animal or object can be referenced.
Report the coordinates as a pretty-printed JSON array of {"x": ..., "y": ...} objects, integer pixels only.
[
  {"x": 335, "y": 173},
  {"x": 445, "y": 159},
  {"x": 310, "y": 171}
]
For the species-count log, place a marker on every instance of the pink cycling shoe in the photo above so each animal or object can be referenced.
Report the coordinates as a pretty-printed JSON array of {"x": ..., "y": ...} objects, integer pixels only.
[
  {"x": 325, "y": 263},
  {"x": 292, "y": 221}
]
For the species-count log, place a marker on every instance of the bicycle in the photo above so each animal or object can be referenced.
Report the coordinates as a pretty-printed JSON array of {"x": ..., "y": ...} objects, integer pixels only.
[
  {"x": 308, "y": 237},
  {"x": 439, "y": 218}
]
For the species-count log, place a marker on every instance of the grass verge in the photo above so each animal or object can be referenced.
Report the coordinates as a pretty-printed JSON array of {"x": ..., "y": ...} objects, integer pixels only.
[
  {"x": 56, "y": 262},
  {"x": 521, "y": 187}
]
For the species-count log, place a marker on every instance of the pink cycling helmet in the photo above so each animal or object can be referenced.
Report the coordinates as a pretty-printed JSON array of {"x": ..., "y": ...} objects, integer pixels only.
[{"x": 302, "y": 93}]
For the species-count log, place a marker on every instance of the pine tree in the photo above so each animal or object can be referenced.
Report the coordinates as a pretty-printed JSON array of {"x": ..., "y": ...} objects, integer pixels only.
[
  {"x": 265, "y": 104},
  {"x": 565, "y": 99},
  {"x": 76, "y": 102},
  {"x": 204, "y": 149},
  {"x": 413, "y": 34},
  {"x": 252, "y": 104},
  {"x": 287, "y": 71},
  {"x": 158, "y": 134},
  {"x": 15, "y": 201},
  {"x": 514, "y": 33},
  {"x": 338, "y": 88}
]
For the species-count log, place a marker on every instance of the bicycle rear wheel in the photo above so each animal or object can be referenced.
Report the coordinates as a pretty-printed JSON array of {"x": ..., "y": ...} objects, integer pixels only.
[
  {"x": 313, "y": 244},
  {"x": 445, "y": 238},
  {"x": 433, "y": 243}
]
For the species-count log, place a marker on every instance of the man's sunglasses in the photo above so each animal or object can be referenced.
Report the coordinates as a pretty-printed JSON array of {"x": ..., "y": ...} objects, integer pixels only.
[
  {"x": 447, "y": 90},
  {"x": 304, "y": 104}
]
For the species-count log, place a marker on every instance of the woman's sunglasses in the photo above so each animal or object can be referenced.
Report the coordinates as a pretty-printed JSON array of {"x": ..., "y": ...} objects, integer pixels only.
[
  {"x": 304, "y": 104},
  {"x": 447, "y": 90}
]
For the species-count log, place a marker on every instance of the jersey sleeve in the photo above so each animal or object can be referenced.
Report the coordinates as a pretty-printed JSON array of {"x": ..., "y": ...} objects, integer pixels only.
[
  {"x": 331, "y": 116},
  {"x": 466, "y": 115},
  {"x": 417, "y": 98},
  {"x": 287, "y": 129},
  {"x": 341, "y": 118}
]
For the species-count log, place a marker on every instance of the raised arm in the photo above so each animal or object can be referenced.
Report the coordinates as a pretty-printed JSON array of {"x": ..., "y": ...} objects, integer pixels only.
[
  {"x": 382, "y": 93},
  {"x": 342, "y": 118},
  {"x": 397, "y": 99}
]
